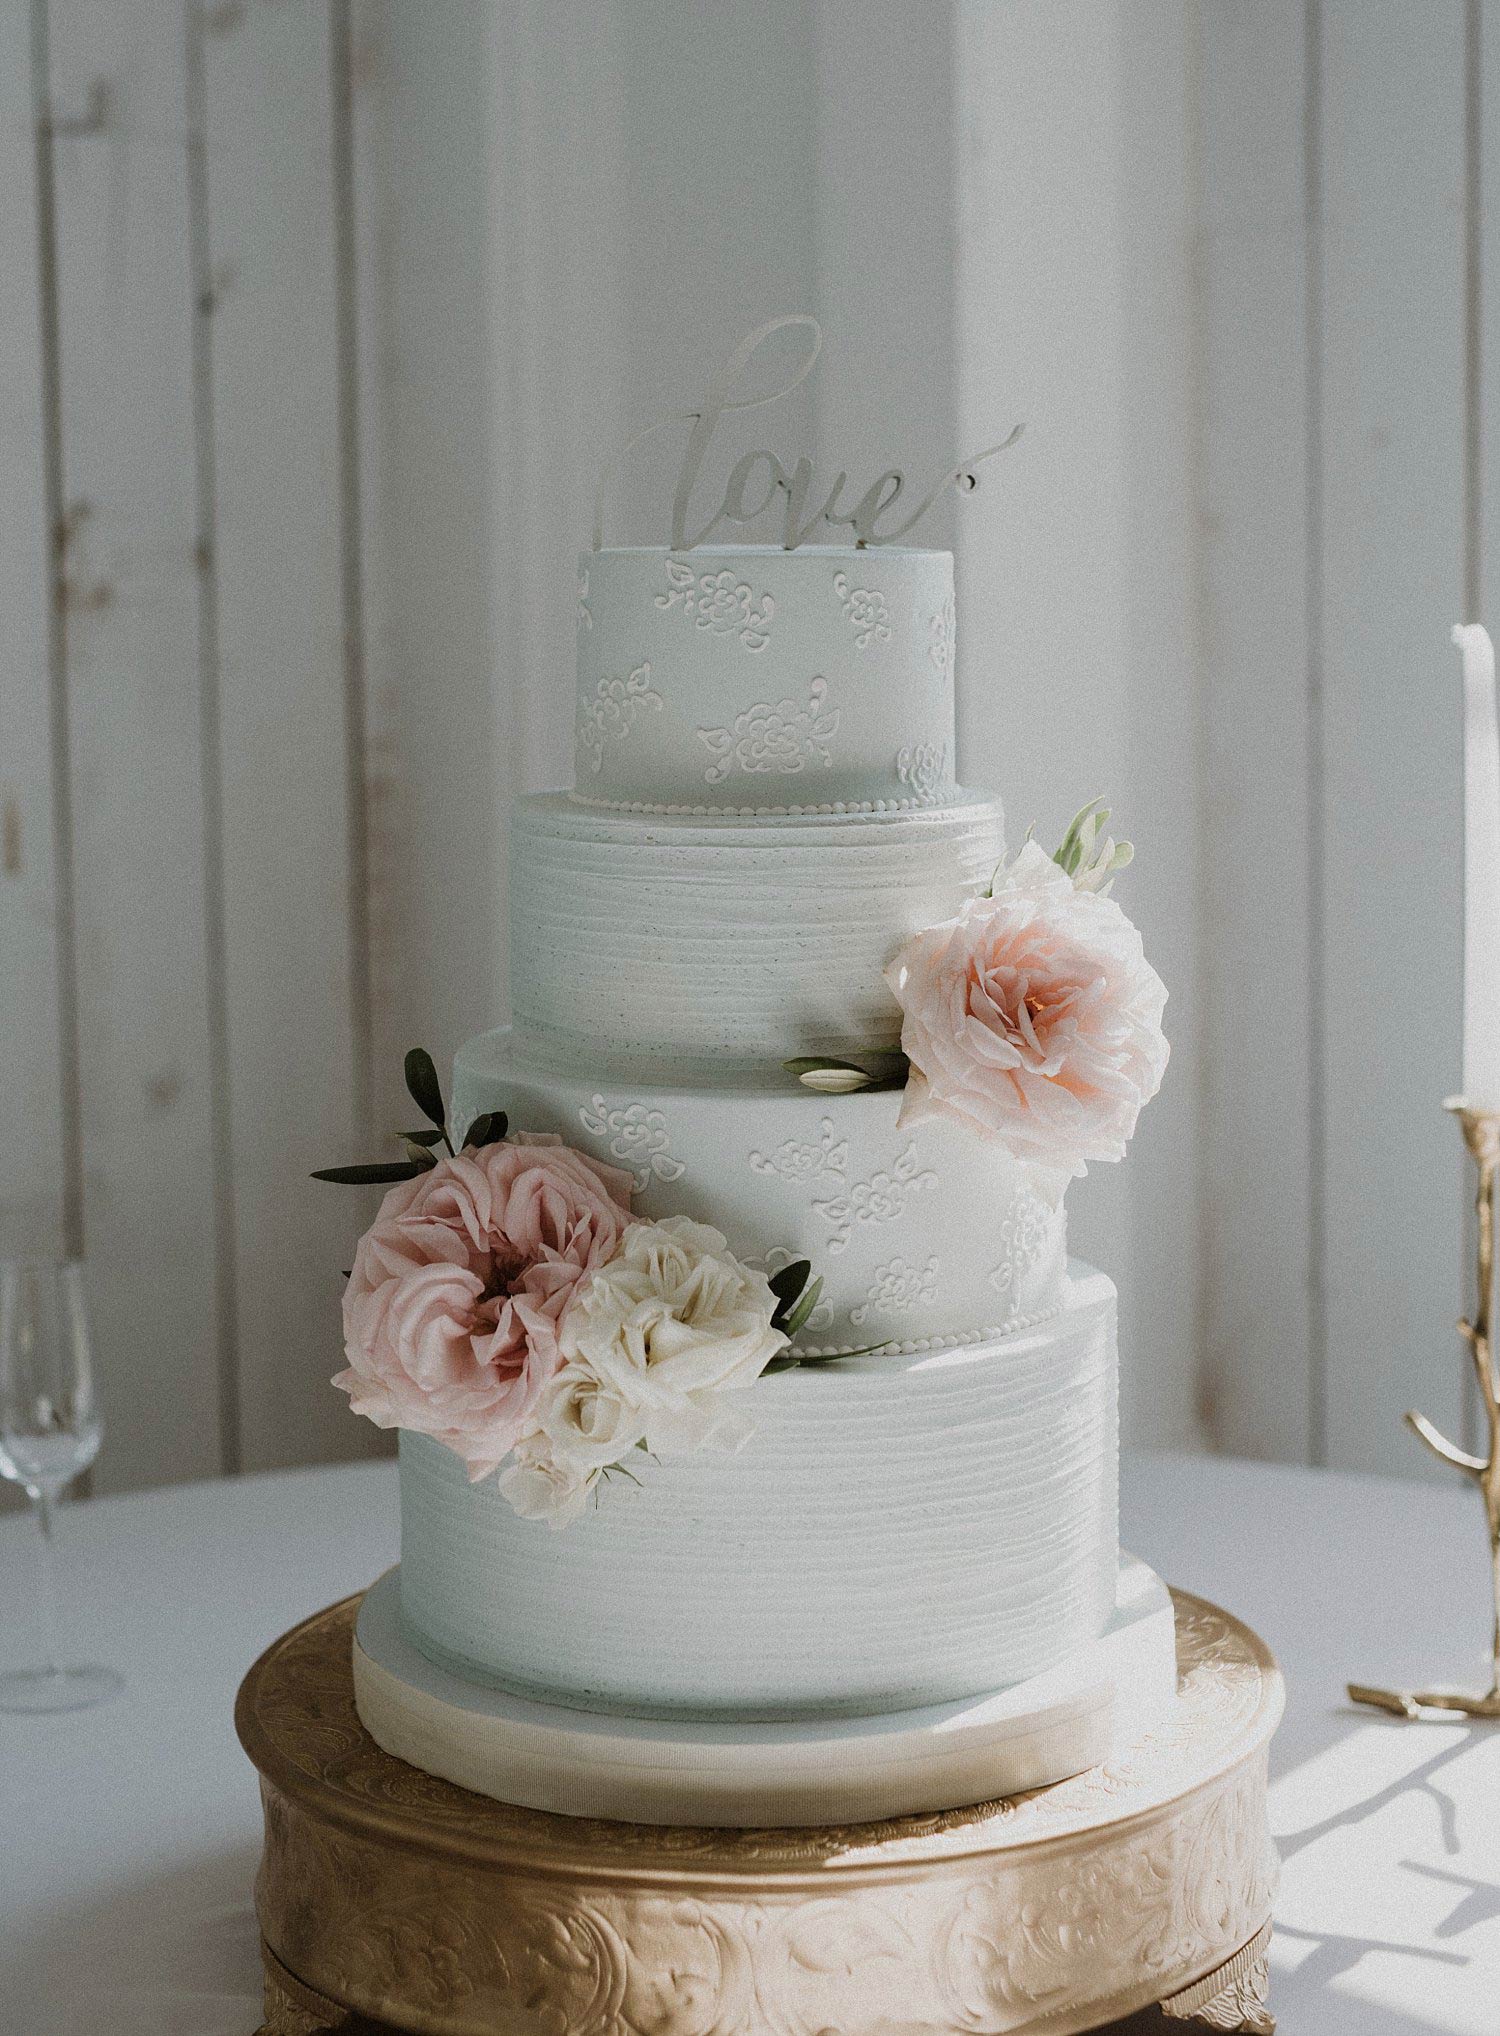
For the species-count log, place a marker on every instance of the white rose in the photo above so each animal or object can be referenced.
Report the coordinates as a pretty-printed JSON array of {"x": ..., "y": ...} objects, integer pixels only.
[
  {"x": 667, "y": 1327},
  {"x": 542, "y": 1486},
  {"x": 591, "y": 1417}
]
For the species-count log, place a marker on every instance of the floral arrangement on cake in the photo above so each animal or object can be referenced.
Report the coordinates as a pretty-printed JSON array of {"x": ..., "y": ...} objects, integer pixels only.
[
  {"x": 1032, "y": 1015},
  {"x": 507, "y": 1302}
]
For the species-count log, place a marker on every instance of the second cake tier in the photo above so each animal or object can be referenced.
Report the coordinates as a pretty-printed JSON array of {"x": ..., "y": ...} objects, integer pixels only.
[
  {"x": 923, "y": 1235},
  {"x": 702, "y": 947}
]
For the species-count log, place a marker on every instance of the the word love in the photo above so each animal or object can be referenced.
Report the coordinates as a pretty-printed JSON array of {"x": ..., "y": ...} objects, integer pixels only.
[{"x": 759, "y": 481}]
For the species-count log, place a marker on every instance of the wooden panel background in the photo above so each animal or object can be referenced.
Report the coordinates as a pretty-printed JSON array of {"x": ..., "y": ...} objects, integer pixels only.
[
  {"x": 1258, "y": 1120},
  {"x": 1391, "y": 432},
  {"x": 149, "y": 1056},
  {"x": 316, "y": 316},
  {"x": 1349, "y": 264},
  {"x": 1076, "y": 656},
  {"x": 180, "y": 397},
  {"x": 39, "y": 1176}
]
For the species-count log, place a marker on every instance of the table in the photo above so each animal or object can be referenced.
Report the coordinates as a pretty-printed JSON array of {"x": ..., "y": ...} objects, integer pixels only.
[{"x": 129, "y": 1835}]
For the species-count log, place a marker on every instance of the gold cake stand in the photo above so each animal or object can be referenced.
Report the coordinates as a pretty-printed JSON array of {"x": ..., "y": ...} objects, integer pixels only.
[{"x": 390, "y": 1901}]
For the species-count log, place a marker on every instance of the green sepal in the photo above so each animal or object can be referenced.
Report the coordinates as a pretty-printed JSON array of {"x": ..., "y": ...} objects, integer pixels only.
[
  {"x": 1083, "y": 831},
  {"x": 1090, "y": 862}
]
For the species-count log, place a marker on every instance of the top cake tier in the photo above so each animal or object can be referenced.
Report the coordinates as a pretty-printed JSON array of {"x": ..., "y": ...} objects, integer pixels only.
[{"x": 755, "y": 680}]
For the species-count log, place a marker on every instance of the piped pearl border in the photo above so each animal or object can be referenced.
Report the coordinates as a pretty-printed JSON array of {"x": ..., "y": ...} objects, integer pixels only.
[
  {"x": 936, "y": 798},
  {"x": 921, "y": 1346}
]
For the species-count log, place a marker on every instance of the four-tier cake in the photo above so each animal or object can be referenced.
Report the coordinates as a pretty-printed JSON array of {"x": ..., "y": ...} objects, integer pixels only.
[{"x": 755, "y": 1426}]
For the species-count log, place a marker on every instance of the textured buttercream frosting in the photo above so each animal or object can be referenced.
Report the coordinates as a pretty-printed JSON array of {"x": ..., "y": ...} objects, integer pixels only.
[
  {"x": 750, "y": 677},
  {"x": 897, "y": 1532},
  {"x": 708, "y": 947}
]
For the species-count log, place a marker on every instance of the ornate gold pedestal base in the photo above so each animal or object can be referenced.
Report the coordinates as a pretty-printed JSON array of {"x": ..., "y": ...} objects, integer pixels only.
[{"x": 394, "y": 1904}]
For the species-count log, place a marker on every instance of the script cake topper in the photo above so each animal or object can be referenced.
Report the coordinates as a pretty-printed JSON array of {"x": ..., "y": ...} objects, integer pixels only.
[{"x": 797, "y": 522}]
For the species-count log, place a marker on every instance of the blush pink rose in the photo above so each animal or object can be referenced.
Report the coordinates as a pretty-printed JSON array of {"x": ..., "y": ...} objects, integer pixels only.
[
  {"x": 451, "y": 1311},
  {"x": 1034, "y": 1018}
]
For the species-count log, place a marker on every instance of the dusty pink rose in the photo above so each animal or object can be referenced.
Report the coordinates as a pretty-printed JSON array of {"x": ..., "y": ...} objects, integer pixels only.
[
  {"x": 1033, "y": 1017},
  {"x": 451, "y": 1311}
]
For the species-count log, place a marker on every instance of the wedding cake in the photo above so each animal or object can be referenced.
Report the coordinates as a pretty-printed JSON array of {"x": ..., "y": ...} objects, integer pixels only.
[{"x": 758, "y": 1441}]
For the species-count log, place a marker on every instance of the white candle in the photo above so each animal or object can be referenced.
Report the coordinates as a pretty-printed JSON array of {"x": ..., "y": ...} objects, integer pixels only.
[{"x": 1481, "y": 1057}]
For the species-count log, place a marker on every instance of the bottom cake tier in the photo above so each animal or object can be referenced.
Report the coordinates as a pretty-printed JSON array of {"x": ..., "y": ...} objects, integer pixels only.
[
  {"x": 1085, "y": 1709},
  {"x": 900, "y": 1531}
]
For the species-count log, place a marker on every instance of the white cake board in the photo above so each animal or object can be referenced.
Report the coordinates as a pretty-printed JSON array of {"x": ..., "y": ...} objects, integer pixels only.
[{"x": 835, "y": 1771}]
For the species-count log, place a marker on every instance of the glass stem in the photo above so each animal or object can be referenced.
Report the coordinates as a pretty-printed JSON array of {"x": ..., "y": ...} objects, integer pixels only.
[{"x": 42, "y": 1501}]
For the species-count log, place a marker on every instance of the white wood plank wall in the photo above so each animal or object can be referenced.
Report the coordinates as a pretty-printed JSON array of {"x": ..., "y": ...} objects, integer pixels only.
[
  {"x": 315, "y": 320},
  {"x": 1076, "y": 655},
  {"x": 189, "y": 984},
  {"x": 1350, "y": 273}
]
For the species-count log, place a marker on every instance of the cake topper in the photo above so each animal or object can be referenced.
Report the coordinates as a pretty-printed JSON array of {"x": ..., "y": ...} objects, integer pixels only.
[{"x": 797, "y": 523}]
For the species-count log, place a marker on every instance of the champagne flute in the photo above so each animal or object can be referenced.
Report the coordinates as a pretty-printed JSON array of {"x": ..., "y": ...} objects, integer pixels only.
[{"x": 49, "y": 1432}]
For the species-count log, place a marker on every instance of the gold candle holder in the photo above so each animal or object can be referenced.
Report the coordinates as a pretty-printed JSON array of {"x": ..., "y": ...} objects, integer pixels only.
[{"x": 1481, "y": 1129}]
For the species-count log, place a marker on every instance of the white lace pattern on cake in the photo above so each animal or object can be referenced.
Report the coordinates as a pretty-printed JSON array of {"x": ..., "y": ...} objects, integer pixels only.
[
  {"x": 637, "y": 1137},
  {"x": 823, "y": 1159},
  {"x": 920, "y": 765},
  {"x": 866, "y": 611},
  {"x": 779, "y": 736},
  {"x": 1024, "y": 1237},
  {"x": 720, "y": 603},
  {"x": 585, "y": 613},
  {"x": 881, "y": 1199},
  {"x": 899, "y": 1285},
  {"x": 613, "y": 712}
]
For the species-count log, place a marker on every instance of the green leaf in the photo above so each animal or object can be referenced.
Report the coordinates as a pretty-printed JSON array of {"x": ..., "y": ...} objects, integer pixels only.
[
  {"x": 424, "y": 1088},
  {"x": 487, "y": 1129},
  {"x": 833, "y": 1356},
  {"x": 375, "y": 1175},
  {"x": 425, "y": 1136},
  {"x": 420, "y": 1157},
  {"x": 787, "y": 1284},
  {"x": 799, "y": 1313},
  {"x": 794, "y": 1360}
]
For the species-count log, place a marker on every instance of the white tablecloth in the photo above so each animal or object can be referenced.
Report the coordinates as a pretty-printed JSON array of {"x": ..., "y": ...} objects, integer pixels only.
[{"x": 129, "y": 1835}]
